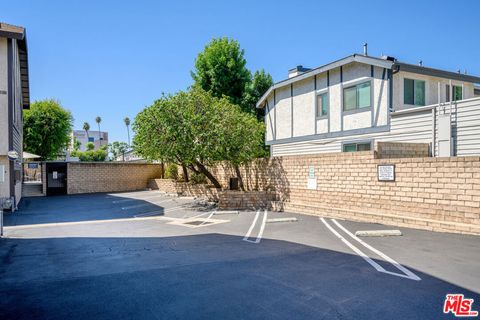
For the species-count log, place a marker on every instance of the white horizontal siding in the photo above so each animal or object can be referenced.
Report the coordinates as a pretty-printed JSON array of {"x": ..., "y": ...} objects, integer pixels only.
[{"x": 408, "y": 127}]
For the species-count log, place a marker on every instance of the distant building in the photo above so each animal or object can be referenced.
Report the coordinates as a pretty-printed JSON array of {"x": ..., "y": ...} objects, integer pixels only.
[
  {"x": 130, "y": 156},
  {"x": 14, "y": 97},
  {"x": 99, "y": 138}
]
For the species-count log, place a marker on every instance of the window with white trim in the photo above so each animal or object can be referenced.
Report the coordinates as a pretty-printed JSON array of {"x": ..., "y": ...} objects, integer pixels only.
[
  {"x": 414, "y": 92},
  {"x": 322, "y": 105},
  {"x": 357, "y": 96}
]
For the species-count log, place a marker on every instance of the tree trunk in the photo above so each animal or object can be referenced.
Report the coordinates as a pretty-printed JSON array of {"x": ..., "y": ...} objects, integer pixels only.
[
  {"x": 185, "y": 173},
  {"x": 239, "y": 176},
  {"x": 207, "y": 174},
  {"x": 162, "y": 167}
]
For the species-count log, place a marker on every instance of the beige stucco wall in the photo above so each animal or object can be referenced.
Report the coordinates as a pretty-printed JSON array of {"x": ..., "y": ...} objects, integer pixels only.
[
  {"x": 304, "y": 101},
  {"x": 431, "y": 89},
  {"x": 304, "y": 108},
  {"x": 283, "y": 116}
]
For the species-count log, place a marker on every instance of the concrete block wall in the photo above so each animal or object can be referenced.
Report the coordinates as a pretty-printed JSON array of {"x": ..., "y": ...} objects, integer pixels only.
[
  {"x": 184, "y": 188},
  {"x": 90, "y": 177},
  {"x": 441, "y": 194},
  {"x": 230, "y": 199},
  {"x": 385, "y": 150}
]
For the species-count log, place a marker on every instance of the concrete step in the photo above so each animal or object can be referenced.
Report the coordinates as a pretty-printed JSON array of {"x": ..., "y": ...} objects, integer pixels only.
[
  {"x": 32, "y": 190},
  {"x": 383, "y": 218}
]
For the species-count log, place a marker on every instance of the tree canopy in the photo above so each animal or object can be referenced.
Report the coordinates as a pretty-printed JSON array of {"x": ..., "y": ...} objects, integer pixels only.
[
  {"x": 118, "y": 149},
  {"x": 47, "y": 126},
  {"x": 221, "y": 69},
  {"x": 255, "y": 89},
  {"x": 195, "y": 129}
]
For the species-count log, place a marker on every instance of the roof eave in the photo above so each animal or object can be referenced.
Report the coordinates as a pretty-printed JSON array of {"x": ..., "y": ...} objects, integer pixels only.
[
  {"x": 436, "y": 72},
  {"x": 353, "y": 58}
]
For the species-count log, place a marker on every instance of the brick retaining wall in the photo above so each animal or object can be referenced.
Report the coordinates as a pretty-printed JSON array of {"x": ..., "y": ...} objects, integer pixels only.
[
  {"x": 90, "y": 177},
  {"x": 440, "y": 194},
  {"x": 385, "y": 150},
  {"x": 184, "y": 188}
]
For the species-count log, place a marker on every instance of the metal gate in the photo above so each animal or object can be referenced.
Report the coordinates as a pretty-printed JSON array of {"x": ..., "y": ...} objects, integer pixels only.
[{"x": 56, "y": 178}]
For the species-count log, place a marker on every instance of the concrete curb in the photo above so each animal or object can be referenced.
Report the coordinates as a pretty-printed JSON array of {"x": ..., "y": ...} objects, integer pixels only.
[{"x": 378, "y": 233}]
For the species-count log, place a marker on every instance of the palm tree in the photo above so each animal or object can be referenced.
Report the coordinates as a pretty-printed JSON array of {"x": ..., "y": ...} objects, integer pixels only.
[
  {"x": 127, "y": 123},
  {"x": 98, "y": 120},
  {"x": 86, "y": 127}
]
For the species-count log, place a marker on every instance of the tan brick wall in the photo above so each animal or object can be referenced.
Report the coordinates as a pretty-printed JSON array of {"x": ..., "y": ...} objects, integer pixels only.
[
  {"x": 183, "y": 188},
  {"x": 441, "y": 194},
  {"x": 445, "y": 190},
  {"x": 90, "y": 177},
  {"x": 386, "y": 150},
  {"x": 245, "y": 199}
]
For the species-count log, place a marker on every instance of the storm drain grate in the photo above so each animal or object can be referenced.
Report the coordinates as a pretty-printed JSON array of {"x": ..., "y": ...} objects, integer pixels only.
[{"x": 198, "y": 222}]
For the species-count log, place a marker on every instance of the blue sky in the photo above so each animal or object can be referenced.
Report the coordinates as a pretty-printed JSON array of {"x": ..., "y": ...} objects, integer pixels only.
[{"x": 112, "y": 58}]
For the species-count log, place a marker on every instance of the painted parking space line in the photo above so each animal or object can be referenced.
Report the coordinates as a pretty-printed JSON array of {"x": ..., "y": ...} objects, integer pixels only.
[
  {"x": 252, "y": 226},
  {"x": 406, "y": 273}
]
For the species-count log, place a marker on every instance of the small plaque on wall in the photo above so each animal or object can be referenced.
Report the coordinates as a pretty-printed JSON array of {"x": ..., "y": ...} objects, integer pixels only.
[{"x": 386, "y": 172}]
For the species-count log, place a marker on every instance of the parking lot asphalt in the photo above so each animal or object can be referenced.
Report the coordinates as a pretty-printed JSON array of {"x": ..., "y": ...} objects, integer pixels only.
[{"x": 147, "y": 255}]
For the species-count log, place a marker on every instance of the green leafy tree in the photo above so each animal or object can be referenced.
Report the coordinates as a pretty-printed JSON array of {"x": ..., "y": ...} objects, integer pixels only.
[
  {"x": 46, "y": 126},
  {"x": 91, "y": 155},
  {"x": 196, "y": 130},
  {"x": 76, "y": 144},
  {"x": 255, "y": 89},
  {"x": 221, "y": 69},
  {"x": 90, "y": 146},
  {"x": 118, "y": 149}
]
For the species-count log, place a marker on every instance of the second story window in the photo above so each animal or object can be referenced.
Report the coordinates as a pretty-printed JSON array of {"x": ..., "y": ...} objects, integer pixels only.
[
  {"x": 91, "y": 139},
  {"x": 357, "y": 97},
  {"x": 322, "y": 105},
  {"x": 457, "y": 93},
  {"x": 414, "y": 92}
]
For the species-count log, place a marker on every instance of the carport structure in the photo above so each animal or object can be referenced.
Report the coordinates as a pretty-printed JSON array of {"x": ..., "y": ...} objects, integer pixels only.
[{"x": 151, "y": 255}]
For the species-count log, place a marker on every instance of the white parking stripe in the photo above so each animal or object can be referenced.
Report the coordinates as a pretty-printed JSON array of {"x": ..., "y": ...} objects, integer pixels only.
[
  {"x": 260, "y": 232},
  {"x": 251, "y": 227},
  {"x": 377, "y": 267},
  {"x": 378, "y": 252}
]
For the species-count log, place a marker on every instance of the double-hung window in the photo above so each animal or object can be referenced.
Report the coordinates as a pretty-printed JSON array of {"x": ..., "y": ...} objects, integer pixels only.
[
  {"x": 457, "y": 93},
  {"x": 414, "y": 92},
  {"x": 357, "y": 96},
  {"x": 322, "y": 105}
]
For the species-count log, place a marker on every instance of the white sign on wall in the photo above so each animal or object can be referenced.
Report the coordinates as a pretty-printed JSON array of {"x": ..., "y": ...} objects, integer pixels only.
[
  {"x": 55, "y": 175},
  {"x": 386, "y": 172},
  {"x": 311, "y": 181},
  {"x": 2, "y": 173}
]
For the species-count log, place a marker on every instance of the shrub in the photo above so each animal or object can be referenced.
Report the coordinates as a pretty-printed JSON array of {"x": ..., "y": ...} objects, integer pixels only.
[
  {"x": 90, "y": 146},
  {"x": 171, "y": 172},
  {"x": 90, "y": 155},
  {"x": 198, "y": 178}
]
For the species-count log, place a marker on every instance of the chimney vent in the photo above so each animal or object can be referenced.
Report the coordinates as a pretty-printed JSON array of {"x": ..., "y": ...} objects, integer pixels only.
[
  {"x": 420, "y": 63},
  {"x": 365, "y": 49},
  {"x": 298, "y": 70}
]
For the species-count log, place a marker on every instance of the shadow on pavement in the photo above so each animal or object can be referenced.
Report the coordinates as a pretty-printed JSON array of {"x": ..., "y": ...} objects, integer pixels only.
[{"x": 209, "y": 276}]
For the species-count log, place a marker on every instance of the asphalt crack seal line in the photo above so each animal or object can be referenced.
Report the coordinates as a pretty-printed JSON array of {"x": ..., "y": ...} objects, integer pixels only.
[{"x": 407, "y": 273}]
